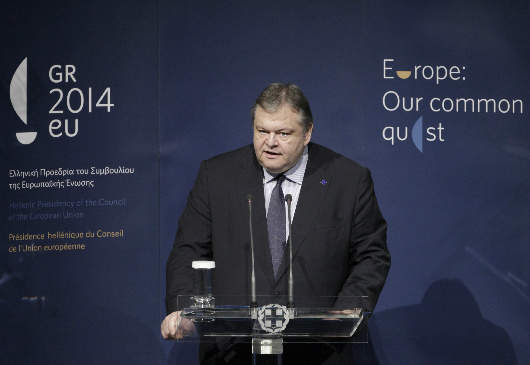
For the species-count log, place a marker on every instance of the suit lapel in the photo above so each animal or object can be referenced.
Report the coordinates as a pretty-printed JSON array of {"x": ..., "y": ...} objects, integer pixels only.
[
  {"x": 311, "y": 197},
  {"x": 252, "y": 178}
]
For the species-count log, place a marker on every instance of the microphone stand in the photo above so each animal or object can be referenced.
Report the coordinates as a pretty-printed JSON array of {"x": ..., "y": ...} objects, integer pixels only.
[
  {"x": 253, "y": 301},
  {"x": 290, "y": 305}
]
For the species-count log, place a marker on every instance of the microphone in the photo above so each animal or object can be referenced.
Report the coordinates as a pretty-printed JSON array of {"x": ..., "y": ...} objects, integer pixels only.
[
  {"x": 253, "y": 302},
  {"x": 288, "y": 199}
]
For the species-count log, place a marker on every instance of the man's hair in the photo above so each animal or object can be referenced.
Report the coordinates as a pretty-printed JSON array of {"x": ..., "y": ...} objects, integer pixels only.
[{"x": 277, "y": 94}]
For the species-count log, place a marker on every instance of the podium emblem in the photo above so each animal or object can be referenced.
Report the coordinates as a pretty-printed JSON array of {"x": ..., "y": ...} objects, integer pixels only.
[{"x": 273, "y": 318}]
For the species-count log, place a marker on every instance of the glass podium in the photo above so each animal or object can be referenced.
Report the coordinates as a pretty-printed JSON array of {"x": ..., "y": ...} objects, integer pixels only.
[{"x": 272, "y": 320}]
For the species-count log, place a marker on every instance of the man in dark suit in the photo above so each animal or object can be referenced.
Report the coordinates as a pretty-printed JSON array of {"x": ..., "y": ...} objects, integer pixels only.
[{"x": 338, "y": 232}]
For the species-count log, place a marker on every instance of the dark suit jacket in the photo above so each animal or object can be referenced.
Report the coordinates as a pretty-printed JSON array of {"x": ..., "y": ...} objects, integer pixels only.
[{"x": 338, "y": 234}]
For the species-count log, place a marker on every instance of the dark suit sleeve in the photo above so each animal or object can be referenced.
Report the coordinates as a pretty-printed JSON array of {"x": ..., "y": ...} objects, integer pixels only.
[
  {"x": 369, "y": 257},
  {"x": 192, "y": 242}
]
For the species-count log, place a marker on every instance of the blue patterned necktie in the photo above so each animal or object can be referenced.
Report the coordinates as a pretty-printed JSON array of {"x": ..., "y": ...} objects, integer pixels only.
[{"x": 276, "y": 224}]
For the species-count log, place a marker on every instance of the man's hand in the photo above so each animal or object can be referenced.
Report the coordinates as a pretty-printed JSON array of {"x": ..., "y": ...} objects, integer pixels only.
[{"x": 175, "y": 327}]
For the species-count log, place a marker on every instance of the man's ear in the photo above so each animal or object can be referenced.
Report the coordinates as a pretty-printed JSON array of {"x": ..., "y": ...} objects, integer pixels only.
[{"x": 307, "y": 135}]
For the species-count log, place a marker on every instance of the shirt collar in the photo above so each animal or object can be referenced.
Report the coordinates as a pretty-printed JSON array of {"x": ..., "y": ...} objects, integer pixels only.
[{"x": 295, "y": 173}]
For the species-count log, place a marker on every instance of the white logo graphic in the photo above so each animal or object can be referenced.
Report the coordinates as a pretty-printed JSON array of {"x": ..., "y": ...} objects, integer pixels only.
[
  {"x": 18, "y": 93},
  {"x": 273, "y": 318}
]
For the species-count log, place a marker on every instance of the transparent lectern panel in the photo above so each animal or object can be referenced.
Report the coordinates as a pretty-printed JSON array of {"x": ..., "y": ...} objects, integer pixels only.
[{"x": 310, "y": 320}]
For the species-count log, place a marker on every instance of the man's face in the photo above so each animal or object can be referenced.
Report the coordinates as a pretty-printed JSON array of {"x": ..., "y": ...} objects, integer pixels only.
[{"x": 279, "y": 138}]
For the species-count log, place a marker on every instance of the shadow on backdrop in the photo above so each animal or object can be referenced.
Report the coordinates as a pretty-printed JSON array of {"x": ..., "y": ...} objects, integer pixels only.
[{"x": 447, "y": 327}]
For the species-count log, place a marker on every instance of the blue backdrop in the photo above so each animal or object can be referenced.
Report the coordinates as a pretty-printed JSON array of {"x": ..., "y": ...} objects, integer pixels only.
[
  {"x": 458, "y": 212},
  {"x": 64, "y": 304},
  {"x": 451, "y": 172}
]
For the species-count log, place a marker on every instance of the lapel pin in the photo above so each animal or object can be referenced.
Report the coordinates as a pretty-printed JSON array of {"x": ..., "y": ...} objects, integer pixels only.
[{"x": 323, "y": 181}]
